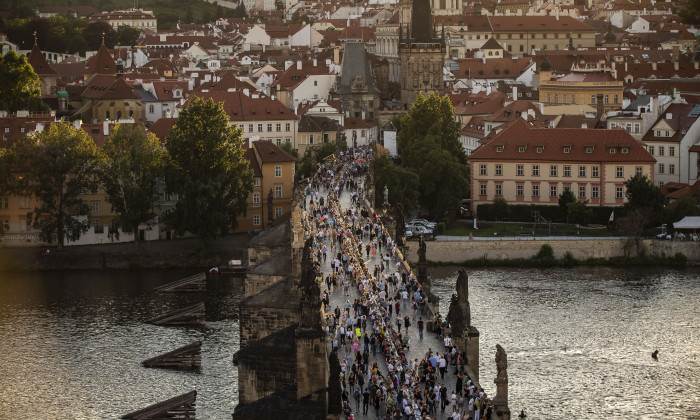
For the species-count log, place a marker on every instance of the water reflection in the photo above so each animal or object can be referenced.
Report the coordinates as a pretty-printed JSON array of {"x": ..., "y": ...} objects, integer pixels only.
[
  {"x": 72, "y": 344},
  {"x": 580, "y": 340}
]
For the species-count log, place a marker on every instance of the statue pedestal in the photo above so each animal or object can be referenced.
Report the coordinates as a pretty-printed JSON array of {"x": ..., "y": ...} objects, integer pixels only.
[{"x": 500, "y": 401}]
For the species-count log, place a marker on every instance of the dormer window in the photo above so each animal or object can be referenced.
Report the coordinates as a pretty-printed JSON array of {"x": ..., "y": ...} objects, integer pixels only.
[
  {"x": 567, "y": 149},
  {"x": 612, "y": 150},
  {"x": 625, "y": 150},
  {"x": 539, "y": 149},
  {"x": 499, "y": 149},
  {"x": 521, "y": 149},
  {"x": 589, "y": 150}
]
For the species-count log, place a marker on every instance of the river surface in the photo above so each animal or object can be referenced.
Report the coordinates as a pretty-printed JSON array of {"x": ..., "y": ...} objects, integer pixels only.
[{"x": 578, "y": 341}]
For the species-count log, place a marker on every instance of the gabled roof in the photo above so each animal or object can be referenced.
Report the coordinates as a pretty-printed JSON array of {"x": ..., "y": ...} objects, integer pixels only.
[
  {"x": 491, "y": 44},
  {"x": 120, "y": 90},
  {"x": 241, "y": 107},
  {"x": 39, "y": 63},
  {"x": 162, "y": 127},
  {"x": 101, "y": 63},
  {"x": 682, "y": 116},
  {"x": 515, "y": 110},
  {"x": 250, "y": 155},
  {"x": 271, "y": 153},
  {"x": 354, "y": 64},
  {"x": 551, "y": 143}
]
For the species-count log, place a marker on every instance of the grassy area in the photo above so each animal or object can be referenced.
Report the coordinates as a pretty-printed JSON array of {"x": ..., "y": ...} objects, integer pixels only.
[{"x": 490, "y": 229}]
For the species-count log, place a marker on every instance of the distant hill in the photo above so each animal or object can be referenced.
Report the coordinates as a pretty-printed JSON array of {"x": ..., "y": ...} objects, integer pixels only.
[{"x": 168, "y": 12}]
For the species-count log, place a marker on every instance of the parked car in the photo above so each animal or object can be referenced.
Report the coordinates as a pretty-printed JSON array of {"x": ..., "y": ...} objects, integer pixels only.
[
  {"x": 423, "y": 222},
  {"x": 417, "y": 230}
]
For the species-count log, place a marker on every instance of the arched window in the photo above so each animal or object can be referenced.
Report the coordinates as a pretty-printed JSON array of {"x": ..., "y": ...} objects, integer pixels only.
[{"x": 119, "y": 115}]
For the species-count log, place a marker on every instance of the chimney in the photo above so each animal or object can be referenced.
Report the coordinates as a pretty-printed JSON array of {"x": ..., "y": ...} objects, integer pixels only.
[
  {"x": 488, "y": 89},
  {"x": 515, "y": 93},
  {"x": 696, "y": 65},
  {"x": 669, "y": 116},
  {"x": 363, "y": 114},
  {"x": 315, "y": 63},
  {"x": 675, "y": 65},
  {"x": 336, "y": 56},
  {"x": 653, "y": 65},
  {"x": 163, "y": 37},
  {"x": 298, "y": 64},
  {"x": 78, "y": 123},
  {"x": 288, "y": 64},
  {"x": 105, "y": 128},
  {"x": 599, "y": 105},
  {"x": 328, "y": 62}
]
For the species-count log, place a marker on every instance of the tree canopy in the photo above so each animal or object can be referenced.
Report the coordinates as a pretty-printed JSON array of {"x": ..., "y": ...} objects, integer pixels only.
[
  {"x": 208, "y": 171},
  {"x": 56, "y": 166},
  {"x": 19, "y": 85},
  {"x": 428, "y": 142},
  {"x": 131, "y": 166},
  {"x": 644, "y": 206},
  {"x": 403, "y": 183}
]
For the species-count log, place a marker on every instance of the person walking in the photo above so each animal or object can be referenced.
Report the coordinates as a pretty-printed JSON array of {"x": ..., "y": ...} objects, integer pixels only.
[{"x": 420, "y": 328}]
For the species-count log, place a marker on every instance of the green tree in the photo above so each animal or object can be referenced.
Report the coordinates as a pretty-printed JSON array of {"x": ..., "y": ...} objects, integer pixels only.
[
  {"x": 209, "y": 172},
  {"x": 578, "y": 212},
  {"x": 279, "y": 4},
  {"x": 691, "y": 12},
  {"x": 687, "y": 205},
  {"x": 644, "y": 206},
  {"x": 94, "y": 31},
  {"x": 19, "y": 85},
  {"x": 56, "y": 165},
  {"x": 240, "y": 12},
  {"x": 403, "y": 183},
  {"x": 564, "y": 199},
  {"x": 5, "y": 171},
  {"x": 287, "y": 147},
  {"x": 127, "y": 35},
  {"x": 428, "y": 142},
  {"x": 131, "y": 165}
]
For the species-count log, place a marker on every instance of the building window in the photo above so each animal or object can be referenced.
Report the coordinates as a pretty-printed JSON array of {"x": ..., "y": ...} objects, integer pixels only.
[
  {"x": 553, "y": 170},
  {"x": 535, "y": 170},
  {"x": 594, "y": 192},
  {"x": 311, "y": 139},
  {"x": 97, "y": 225},
  {"x": 521, "y": 149},
  {"x": 519, "y": 190},
  {"x": 593, "y": 99},
  {"x": 520, "y": 170},
  {"x": 615, "y": 99},
  {"x": 482, "y": 189},
  {"x": 499, "y": 149},
  {"x": 24, "y": 203},
  {"x": 250, "y": 128},
  {"x": 278, "y": 127},
  {"x": 638, "y": 170},
  {"x": 582, "y": 192},
  {"x": 539, "y": 149},
  {"x": 619, "y": 172},
  {"x": 582, "y": 171},
  {"x": 662, "y": 150},
  {"x": 278, "y": 142},
  {"x": 636, "y": 128},
  {"x": 256, "y": 220},
  {"x": 287, "y": 127},
  {"x": 260, "y": 128},
  {"x": 256, "y": 198},
  {"x": 553, "y": 191},
  {"x": 278, "y": 191},
  {"x": 589, "y": 150},
  {"x": 278, "y": 171},
  {"x": 662, "y": 168},
  {"x": 625, "y": 150},
  {"x": 671, "y": 168},
  {"x": 499, "y": 169},
  {"x": 278, "y": 211},
  {"x": 151, "y": 109},
  {"x": 618, "y": 192},
  {"x": 567, "y": 149},
  {"x": 499, "y": 190},
  {"x": 482, "y": 169},
  {"x": 671, "y": 151},
  {"x": 567, "y": 170},
  {"x": 651, "y": 150},
  {"x": 612, "y": 150},
  {"x": 595, "y": 171},
  {"x": 269, "y": 127},
  {"x": 6, "y": 202},
  {"x": 95, "y": 207},
  {"x": 535, "y": 190},
  {"x": 607, "y": 99},
  {"x": 256, "y": 182}
]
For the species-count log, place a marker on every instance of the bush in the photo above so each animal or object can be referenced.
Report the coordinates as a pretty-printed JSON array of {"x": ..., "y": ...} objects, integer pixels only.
[
  {"x": 546, "y": 252},
  {"x": 523, "y": 213}
]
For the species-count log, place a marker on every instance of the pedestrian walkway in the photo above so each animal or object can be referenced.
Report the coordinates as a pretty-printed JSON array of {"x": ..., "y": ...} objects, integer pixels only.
[{"x": 364, "y": 299}]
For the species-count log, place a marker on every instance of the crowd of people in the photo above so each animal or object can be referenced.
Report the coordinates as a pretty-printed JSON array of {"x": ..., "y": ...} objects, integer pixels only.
[{"x": 377, "y": 303}]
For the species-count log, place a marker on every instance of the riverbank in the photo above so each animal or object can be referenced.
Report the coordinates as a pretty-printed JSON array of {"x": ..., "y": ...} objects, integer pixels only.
[
  {"x": 178, "y": 253},
  {"x": 502, "y": 250}
]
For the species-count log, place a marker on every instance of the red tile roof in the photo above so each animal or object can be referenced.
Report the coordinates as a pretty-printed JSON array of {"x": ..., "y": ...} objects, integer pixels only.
[
  {"x": 271, "y": 153},
  {"x": 162, "y": 127},
  {"x": 553, "y": 140},
  {"x": 101, "y": 63},
  {"x": 241, "y": 107},
  {"x": 39, "y": 63}
]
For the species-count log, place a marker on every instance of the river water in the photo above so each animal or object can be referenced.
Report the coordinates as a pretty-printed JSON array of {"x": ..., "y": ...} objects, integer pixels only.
[{"x": 578, "y": 341}]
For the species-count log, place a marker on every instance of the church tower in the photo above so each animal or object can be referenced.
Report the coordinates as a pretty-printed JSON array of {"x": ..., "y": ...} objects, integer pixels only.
[{"x": 421, "y": 55}]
